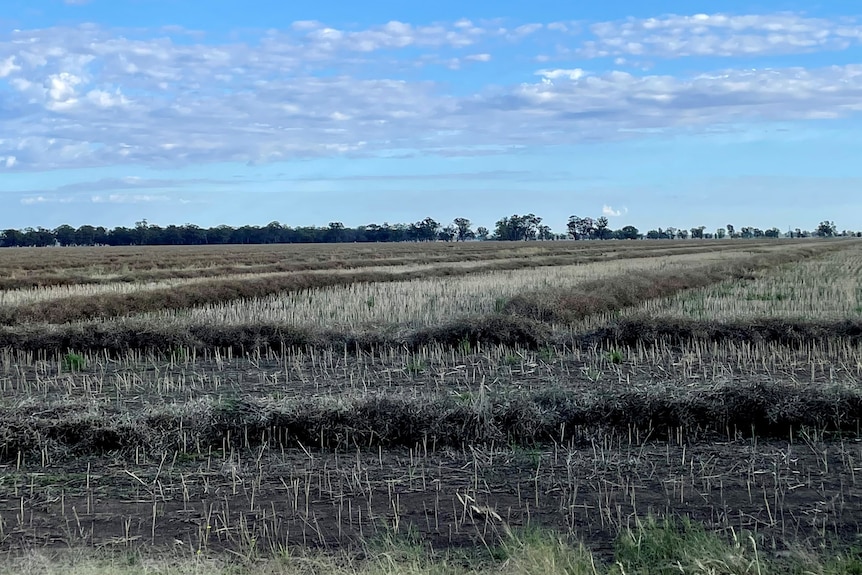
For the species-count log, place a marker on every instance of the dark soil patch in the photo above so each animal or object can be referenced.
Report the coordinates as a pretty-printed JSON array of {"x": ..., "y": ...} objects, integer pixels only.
[{"x": 784, "y": 493}]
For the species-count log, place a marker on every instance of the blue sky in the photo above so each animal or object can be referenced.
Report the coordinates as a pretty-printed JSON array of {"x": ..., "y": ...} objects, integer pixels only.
[{"x": 655, "y": 114}]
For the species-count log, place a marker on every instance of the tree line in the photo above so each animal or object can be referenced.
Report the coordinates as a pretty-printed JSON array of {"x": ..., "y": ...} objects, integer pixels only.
[{"x": 527, "y": 227}]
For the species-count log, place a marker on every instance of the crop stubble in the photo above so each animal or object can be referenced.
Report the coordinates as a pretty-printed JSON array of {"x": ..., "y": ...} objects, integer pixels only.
[{"x": 223, "y": 447}]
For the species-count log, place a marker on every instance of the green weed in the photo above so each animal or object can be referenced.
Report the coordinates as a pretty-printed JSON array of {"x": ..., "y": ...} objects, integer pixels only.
[
  {"x": 74, "y": 362},
  {"x": 416, "y": 366},
  {"x": 615, "y": 356}
]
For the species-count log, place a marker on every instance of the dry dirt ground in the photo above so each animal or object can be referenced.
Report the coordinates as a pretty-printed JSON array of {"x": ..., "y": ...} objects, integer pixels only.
[{"x": 258, "y": 495}]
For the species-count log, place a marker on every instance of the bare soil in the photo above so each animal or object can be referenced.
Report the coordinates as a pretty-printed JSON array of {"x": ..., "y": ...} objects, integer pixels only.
[
  {"x": 248, "y": 494},
  {"x": 784, "y": 492}
]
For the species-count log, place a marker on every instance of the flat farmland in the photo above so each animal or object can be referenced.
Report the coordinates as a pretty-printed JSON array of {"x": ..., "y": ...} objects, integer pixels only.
[{"x": 298, "y": 408}]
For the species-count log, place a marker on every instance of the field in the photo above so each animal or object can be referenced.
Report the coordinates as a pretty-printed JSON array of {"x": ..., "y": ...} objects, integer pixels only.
[{"x": 538, "y": 407}]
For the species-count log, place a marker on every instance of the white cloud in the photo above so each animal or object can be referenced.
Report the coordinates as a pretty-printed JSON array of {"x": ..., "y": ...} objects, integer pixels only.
[
  {"x": 129, "y": 199},
  {"x": 91, "y": 96},
  {"x": 609, "y": 212},
  {"x": 7, "y": 66},
  {"x": 61, "y": 87},
  {"x": 39, "y": 200},
  {"x": 573, "y": 74},
  {"x": 720, "y": 35},
  {"x": 104, "y": 99},
  {"x": 525, "y": 30},
  {"x": 10, "y": 161},
  {"x": 34, "y": 200}
]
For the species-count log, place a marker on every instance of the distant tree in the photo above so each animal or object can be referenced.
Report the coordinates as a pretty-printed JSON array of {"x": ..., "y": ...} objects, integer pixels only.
[
  {"x": 39, "y": 237},
  {"x": 582, "y": 228},
  {"x": 172, "y": 235},
  {"x": 658, "y": 234},
  {"x": 85, "y": 236},
  {"x": 530, "y": 225},
  {"x": 826, "y": 229},
  {"x": 517, "y": 228},
  {"x": 627, "y": 233},
  {"x": 730, "y": 231},
  {"x": 427, "y": 229},
  {"x": 193, "y": 235},
  {"x": 447, "y": 234},
  {"x": 65, "y": 235},
  {"x": 12, "y": 238},
  {"x": 601, "y": 228},
  {"x": 574, "y": 227},
  {"x": 335, "y": 233},
  {"x": 464, "y": 232}
]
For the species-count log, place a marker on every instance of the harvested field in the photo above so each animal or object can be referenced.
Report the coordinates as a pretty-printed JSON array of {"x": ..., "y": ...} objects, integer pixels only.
[
  {"x": 588, "y": 390},
  {"x": 72, "y": 266},
  {"x": 826, "y": 288},
  {"x": 424, "y": 302},
  {"x": 62, "y": 303}
]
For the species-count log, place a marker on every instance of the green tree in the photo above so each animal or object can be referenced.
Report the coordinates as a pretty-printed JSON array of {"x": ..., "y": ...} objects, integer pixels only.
[
  {"x": 448, "y": 234},
  {"x": 464, "y": 233},
  {"x": 601, "y": 228},
  {"x": 426, "y": 230},
  {"x": 627, "y": 233},
  {"x": 517, "y": 228},
  {"x": 12, "y": 238},
  {"x": 65, "y": 235},
  {"x": 334, "y": 233},
  {"x": 85, "y": 236},
  {"x": 826, "y": 229}
]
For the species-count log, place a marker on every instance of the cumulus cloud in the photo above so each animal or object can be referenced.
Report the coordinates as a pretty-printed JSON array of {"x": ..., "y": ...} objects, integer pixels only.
[
  {"x": 556, "y": 74},
  {"x": 7, "y": 66},
  {"x": 89, "y": 96},
  {"x": 610, "y": 212},
  {"x": 720, "y": 35}
]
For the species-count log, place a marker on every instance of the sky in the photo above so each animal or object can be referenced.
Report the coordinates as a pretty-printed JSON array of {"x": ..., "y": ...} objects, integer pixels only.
[{"x": 654, "y": 114}]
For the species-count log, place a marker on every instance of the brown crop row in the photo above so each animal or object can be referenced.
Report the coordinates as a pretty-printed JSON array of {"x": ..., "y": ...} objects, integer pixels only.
[
  {"x": 406, "y": 420},
  {"x": 106, "y": 305},
  {"x": 525, "y": 321},
  {"x": 34, "y": 267}
]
